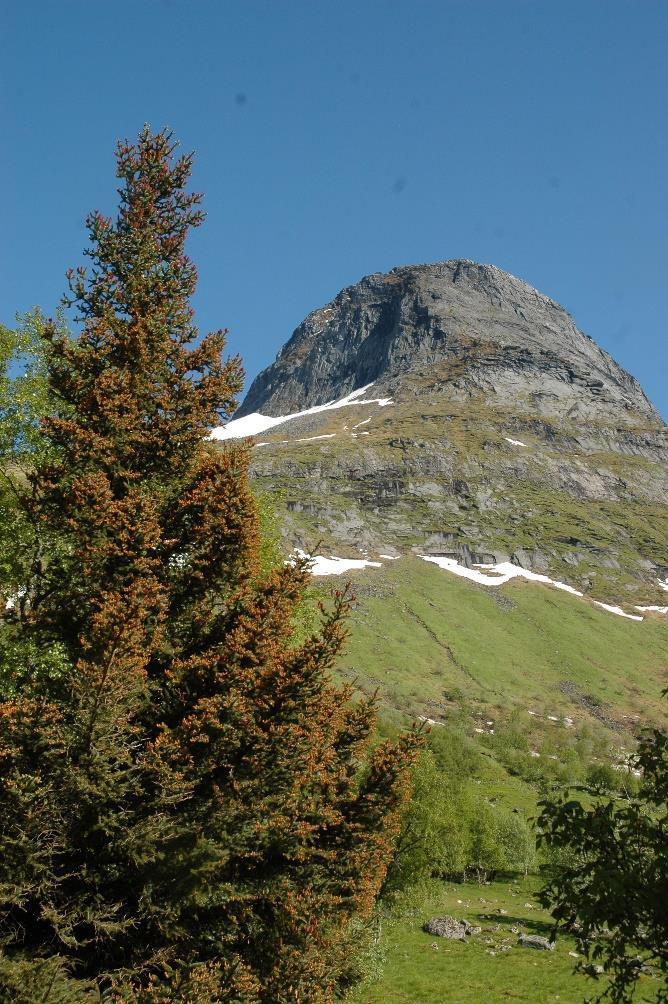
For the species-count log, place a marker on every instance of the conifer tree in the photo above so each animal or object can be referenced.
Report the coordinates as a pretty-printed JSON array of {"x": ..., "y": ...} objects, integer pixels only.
[{"x": 191, "y": 811}]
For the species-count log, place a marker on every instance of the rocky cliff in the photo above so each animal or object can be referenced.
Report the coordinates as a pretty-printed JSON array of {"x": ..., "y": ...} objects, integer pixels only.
[
  {"x": 510, "y": 436},
  {"x": 472, "y": 327}
]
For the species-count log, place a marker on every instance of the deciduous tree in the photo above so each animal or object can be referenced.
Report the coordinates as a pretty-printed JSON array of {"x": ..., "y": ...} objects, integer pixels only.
[{"x": 612, "y": 887}]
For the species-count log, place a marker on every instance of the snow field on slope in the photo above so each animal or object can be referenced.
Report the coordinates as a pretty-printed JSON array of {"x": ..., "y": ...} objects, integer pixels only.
[
  {"x": 252, "y": 425},
  {"x": 335, "y": 566},
  {"x": 496, "y": 575}
]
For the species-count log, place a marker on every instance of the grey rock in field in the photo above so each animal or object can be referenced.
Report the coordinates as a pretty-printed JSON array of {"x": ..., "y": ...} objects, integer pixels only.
[
  {"x": 449, "y": 927},
  {"x": 535, "y": 941},
  {"x": 473, "y": 326}
]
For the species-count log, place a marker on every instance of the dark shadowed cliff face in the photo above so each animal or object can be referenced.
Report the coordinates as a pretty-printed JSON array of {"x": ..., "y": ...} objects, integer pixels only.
[
  {"x": 502, "y": 433},
  {"x": 460, "y": 329}
]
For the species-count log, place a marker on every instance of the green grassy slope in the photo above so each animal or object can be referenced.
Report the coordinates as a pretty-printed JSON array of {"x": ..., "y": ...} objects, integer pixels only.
[
  {"x": 480, "y": 659},
  {"x": 428, "y": 640}
]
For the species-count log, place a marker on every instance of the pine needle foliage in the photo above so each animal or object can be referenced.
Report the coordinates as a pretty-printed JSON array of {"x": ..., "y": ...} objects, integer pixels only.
[{"x": 191, "y": 810}]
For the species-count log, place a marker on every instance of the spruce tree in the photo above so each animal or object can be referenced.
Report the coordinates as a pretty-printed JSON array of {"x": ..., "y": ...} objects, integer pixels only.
[{"x": 191, "y": 811}]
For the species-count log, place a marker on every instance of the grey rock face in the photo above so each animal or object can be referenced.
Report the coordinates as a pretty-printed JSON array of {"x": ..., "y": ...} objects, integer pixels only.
[{"x": 459, "y": 328}]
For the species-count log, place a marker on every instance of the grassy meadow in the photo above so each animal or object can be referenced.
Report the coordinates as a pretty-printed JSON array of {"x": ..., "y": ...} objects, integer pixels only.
[
  {"x": 431, "y": 642},
  {"x": 490, "y": 967},
  {"x": 540, "y": 688}
]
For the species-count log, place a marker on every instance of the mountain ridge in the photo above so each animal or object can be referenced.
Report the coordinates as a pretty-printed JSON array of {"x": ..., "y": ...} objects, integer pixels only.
[{"x": 506, "y": 336}]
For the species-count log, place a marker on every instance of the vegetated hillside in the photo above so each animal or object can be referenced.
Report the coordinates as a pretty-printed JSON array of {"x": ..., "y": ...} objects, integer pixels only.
[
  {"x": 527, "y": 673},
  {"x": 533, "y": 689},
  {"x": 530, "y": 689},
  {"x": 429, "y": 641}
]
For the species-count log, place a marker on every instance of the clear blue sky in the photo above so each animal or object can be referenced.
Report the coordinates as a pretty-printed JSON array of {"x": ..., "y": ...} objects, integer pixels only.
[{"x": 335, "y": 139}]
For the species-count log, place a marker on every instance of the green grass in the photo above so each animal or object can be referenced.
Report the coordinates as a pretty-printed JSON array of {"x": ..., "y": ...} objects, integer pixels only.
[
  {"x": 432, "y": 644},
  {"x": 428, "y": 640},
  {"x": 467, "y": 973}
]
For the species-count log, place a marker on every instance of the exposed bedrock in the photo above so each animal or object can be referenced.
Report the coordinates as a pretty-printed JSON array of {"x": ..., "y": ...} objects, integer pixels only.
[{"x": 461, "y": 328}]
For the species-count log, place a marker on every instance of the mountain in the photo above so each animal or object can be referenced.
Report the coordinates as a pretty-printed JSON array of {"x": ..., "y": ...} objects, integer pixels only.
[
  {"x": 451, "y": 410},
  {"x": 460, "y": 329}
]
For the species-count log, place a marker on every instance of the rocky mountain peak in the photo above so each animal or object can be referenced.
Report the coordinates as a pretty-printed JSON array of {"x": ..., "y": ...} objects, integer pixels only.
[{"x": 455, "y": 328}]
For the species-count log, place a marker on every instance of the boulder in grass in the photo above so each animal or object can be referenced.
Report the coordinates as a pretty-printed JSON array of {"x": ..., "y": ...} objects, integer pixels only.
[
  {"x": 535, "y": 941},
  {"x": 449, "y": 927}
]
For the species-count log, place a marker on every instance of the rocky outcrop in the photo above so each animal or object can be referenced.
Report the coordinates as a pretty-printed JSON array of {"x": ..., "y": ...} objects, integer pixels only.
[{"x": 455, "y": 328}]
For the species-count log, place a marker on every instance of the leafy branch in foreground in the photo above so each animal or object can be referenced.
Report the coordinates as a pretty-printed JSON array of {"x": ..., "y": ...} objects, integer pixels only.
[
  {"x": 612, "y": 890},
  {"x": 25, "y": 398}
]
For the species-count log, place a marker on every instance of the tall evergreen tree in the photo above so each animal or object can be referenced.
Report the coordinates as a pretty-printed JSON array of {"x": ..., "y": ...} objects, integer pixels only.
[{"x": 191, "y": 810}]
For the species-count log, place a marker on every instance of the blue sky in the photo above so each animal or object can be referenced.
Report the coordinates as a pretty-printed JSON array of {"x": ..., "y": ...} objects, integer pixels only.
[{"x": 338, "y": 139}]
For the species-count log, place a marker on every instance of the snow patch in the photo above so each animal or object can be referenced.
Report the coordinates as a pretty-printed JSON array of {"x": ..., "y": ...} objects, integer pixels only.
[
  {"x": 498, "y": 575},
  {"x": 335, "y": 566},
  {"x": 365, "y": 422},
  {"x": 616, "y": 610},
  {"x": 514, "y": 442},
  {"x": 252, "y": 425},
  {"x": 309, "y": 439},
  {"x": 655, "y": 609},
  {"x": 389, "y": 557}
]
